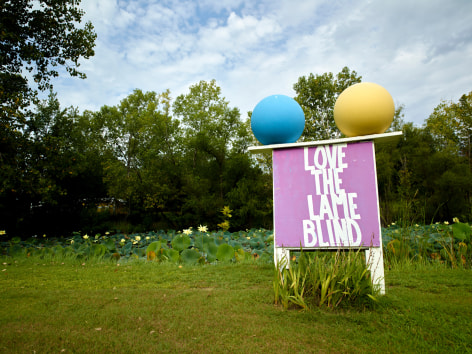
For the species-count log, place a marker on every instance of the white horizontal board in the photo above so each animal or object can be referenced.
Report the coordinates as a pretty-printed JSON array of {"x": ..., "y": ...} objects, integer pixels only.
[{"x": 377, "y": 138}]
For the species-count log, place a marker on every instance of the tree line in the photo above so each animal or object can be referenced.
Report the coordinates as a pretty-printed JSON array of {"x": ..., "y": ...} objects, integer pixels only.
[{"x": 153, "y": 162}]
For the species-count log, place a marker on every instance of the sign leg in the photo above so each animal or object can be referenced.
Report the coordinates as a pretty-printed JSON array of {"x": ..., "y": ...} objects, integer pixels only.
[
  {"x": 280, "y": 254},
  {"x": 374, "y": 260}
]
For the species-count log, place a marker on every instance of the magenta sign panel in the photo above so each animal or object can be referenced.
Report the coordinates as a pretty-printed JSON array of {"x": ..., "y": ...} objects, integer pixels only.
[{"x": 326, "y": 196}]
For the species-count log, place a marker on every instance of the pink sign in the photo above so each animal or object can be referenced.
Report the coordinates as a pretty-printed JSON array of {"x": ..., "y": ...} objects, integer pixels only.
[{"x": 326, "y": 196}]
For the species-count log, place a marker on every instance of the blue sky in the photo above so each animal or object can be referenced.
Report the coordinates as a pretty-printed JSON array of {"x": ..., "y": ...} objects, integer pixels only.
[{"x": 419, "y": 50}]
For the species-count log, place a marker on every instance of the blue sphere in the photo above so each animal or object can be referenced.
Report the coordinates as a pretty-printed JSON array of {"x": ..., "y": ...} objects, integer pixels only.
[{"x": 277, "y": 119}]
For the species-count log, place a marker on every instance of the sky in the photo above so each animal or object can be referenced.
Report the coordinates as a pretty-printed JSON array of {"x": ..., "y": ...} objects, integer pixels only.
[{"x": 419, "y": 50}]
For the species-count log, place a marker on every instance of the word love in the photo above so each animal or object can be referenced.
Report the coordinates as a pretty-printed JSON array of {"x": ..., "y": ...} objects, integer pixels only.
[{"x": 326, "y": 166}]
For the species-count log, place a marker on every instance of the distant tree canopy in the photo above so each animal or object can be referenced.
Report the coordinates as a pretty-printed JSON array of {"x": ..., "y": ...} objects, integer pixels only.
[
  {"x": 428, "y": 177},
  {"x": 147, "y": 162}
]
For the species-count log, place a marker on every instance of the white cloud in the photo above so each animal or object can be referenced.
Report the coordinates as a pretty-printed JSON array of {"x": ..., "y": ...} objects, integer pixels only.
[{"x": 418, "y": 50}]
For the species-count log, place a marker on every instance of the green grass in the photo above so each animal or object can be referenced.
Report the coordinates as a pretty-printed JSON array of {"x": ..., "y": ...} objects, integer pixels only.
[{"x": 147, "y": 307}]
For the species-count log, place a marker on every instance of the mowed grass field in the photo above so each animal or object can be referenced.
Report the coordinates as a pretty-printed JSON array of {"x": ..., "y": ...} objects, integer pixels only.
[{"x": 148, "y": 307}]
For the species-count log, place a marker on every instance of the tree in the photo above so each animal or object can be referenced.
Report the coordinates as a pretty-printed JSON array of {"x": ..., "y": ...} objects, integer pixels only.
[
  {"x": 138, "y": 137},
  {"x": 211, "y": 128},
  {"x": 37, "y": 37},
  {"x": 426, "y": 176},
  {"x": 317, "y": 95},
  {"x": 215, "y": 157},
  {"x": 57, "y": 177},
  {"x": 451, "y": 126}
]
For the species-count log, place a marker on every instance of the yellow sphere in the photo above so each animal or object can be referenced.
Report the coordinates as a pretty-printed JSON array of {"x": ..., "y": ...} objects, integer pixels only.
[{"x": 363, "y": 109}]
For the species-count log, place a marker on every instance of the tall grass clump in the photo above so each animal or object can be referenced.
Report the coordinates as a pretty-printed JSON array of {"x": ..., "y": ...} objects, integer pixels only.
[{"x": 324, "y": 279}]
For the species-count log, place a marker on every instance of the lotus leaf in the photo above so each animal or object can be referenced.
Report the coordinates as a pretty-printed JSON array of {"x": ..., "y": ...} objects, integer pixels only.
[
  {"x": 257, "y": 243},
  {"x": 76, "y": 246},
  {"x": 237, "y": 246},
  {"x": 153, "y": 247},
  {"x": 234, "y": 243},
  {"x": 84, "y": 250},
  {"x": 172, "y": 255},
  {"x": 241, "y": 255},
  {"x": 68, "y": 250},
  {"x": 220, "y": 240},
  {"x": 202, "y": 240},
  {"x": 211, "y": 250},
  {"x": 225, "y": 253},
  {"x": 461, "y": 231},
  {"x": 190, "y": 256},
  {"x": 110, "y": 244},
  {"x": 181, "y": 242},
  {"x": 258, "y": 252},
  {"x": 98, "y": 250},
  {"x": 150, "y": 255}
]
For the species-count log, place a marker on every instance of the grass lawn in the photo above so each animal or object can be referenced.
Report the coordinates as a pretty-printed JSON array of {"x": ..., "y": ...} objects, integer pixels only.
[{"x": 146, "y": 307}]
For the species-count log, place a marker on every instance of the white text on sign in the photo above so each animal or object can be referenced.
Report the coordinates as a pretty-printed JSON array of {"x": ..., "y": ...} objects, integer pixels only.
[{"x": 336, "y": 212}]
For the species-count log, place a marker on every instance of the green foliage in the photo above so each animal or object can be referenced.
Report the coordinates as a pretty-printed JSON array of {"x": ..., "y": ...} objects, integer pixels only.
[
  {"x": 427, "y": 177},
  {"x": 36, "y": 37},
  {"x": 437, "y": 243},
  {"x": 324, "y": 280},
  {"x": 225, "y": 253},
  {"x": 212, "y": 247},
  {"x": 149, "y": 163},
  {"x": 181, "y": 242},
  {"x": 214, "y": 160},
  {"x": 135, "y": 167},
  {"x": 190, "y": 256},
  {"x": 461, "y": 231},
  {"x": 137, "y": 140},
  {"x": 317, "y": 95},
  {"x": 59, "y": 178},
  {"x": 42, "y": 38}
]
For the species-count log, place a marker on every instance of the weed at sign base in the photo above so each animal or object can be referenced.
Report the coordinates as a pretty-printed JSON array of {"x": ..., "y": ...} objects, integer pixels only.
[{"x": 324, "y": 279}]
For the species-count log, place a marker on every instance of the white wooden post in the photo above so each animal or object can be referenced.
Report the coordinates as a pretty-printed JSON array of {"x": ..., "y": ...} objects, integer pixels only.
[
  {"x": 280, "y": 254},
  {"x": 374, "y": 261}
]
